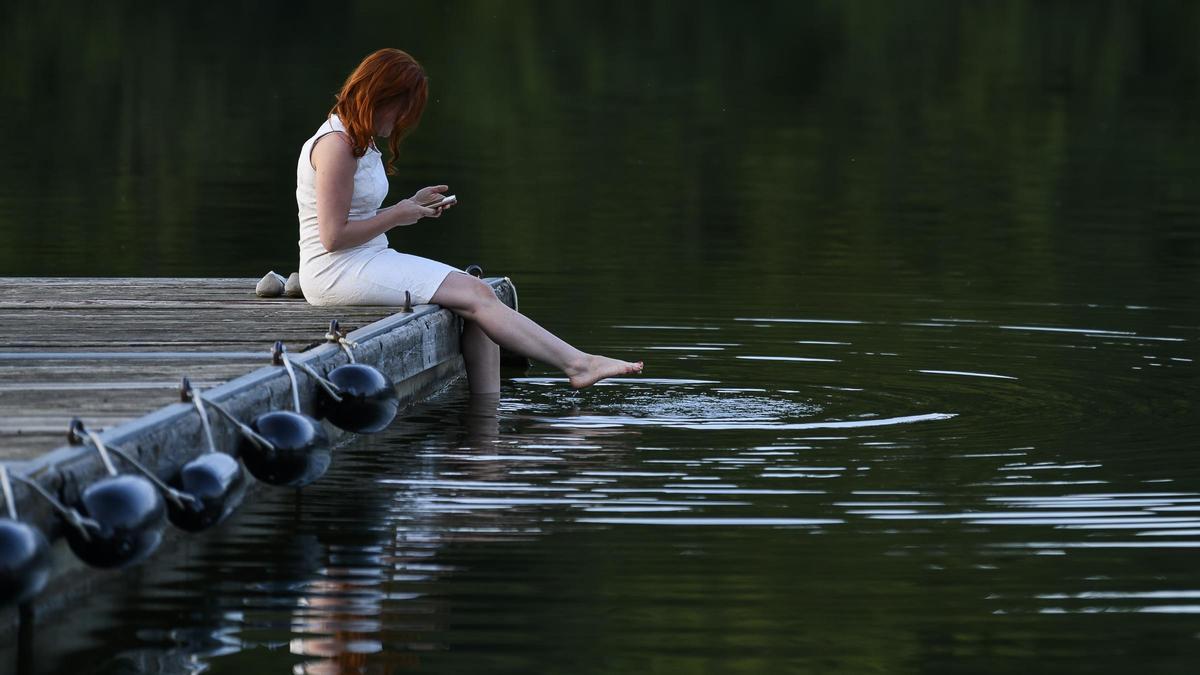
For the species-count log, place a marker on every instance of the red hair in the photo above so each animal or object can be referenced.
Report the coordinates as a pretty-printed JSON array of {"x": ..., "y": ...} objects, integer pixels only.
[{"x": 387, "y": 77}]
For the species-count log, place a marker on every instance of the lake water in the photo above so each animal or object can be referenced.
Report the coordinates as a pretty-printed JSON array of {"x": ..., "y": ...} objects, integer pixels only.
[{"x": 916, "y": 286}]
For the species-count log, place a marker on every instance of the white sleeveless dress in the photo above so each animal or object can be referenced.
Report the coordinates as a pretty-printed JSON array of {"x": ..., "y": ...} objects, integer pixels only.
[{"x": 367, "y": 274}]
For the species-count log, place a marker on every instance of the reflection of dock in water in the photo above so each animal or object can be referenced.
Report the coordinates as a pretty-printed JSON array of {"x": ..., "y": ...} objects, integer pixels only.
[{"x": 113, "y": 352}]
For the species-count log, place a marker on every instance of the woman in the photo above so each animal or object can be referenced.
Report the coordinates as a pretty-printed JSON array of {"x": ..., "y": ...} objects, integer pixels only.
[{"x": 344, "y": 255}]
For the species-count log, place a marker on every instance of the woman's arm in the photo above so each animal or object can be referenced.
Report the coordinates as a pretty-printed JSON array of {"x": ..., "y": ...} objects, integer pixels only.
[{"x": 334, "y": 161}]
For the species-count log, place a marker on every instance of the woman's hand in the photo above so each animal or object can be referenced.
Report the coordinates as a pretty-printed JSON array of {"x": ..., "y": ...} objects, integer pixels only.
[
  {"x": 408, "y": 211},
  {"x": 431, "y": 194}
]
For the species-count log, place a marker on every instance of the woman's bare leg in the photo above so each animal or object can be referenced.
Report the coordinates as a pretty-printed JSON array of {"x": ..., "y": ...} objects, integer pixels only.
[
  {"x": 482, "y": 358},
  {"x": 481, "y": 420},
  {"x": 476, "y": 302}
]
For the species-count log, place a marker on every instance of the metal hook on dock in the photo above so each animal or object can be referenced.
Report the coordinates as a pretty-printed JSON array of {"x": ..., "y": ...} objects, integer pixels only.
[
  {"x": 280, "y": 357},
  {"x": 299, "y": 450},
  {"x": 213, "y": 479},
  {"x": 198, "y": 401},
  {"x": 178, "y": 498},
  {"x": 188, "y": 395},
  {"x": 128, "y": 510},
  {"x": 78, "y": 434},
  {"x": 336, "y": 336},
  {"x": 366, "y": 400}
]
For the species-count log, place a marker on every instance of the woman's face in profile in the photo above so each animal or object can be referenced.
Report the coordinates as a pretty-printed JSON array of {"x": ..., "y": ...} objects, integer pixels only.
[{"x": 384, "y": 118}]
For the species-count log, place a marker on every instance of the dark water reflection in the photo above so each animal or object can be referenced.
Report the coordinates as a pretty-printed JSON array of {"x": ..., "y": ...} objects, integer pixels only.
[
  {"x": 927, "y": 489},
  {"x": 916, "y": 285}
]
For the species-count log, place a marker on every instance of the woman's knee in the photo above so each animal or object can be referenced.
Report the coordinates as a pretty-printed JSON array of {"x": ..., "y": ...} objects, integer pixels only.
[
  {"x": 477, "y": 294},
  {"x": 466, "y": 294}
]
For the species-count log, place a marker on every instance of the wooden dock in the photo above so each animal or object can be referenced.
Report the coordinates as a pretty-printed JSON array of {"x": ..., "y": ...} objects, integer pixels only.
[{"x": 112, "y": 352}]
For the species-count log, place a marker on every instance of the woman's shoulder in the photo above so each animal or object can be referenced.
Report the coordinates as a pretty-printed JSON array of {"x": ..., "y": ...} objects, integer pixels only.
[
  {"x": 332, "y": 147},
  {"x": 333, "y": 123},
  {"x": 333, "y": 144}
]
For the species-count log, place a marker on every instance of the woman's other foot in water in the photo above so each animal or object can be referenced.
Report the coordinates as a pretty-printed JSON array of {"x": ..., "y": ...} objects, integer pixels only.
[{"x": 596, "y": 368}]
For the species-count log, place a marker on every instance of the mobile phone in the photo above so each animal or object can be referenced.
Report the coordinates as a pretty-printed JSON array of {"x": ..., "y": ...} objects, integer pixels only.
[{"x": 444, "y": 201}]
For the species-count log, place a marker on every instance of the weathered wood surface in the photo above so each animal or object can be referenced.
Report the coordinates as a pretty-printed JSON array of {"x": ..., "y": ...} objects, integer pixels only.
[{"x": 110, "y": 350}]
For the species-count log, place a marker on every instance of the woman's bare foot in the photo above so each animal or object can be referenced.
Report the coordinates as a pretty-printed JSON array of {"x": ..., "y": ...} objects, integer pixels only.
[{"x": 597, "y": 368}]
